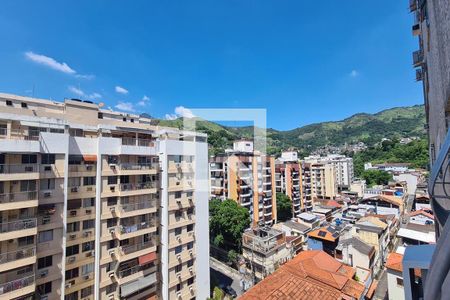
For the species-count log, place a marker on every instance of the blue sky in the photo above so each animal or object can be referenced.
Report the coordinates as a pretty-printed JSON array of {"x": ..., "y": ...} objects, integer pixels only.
[{"x": 304, "y": 61}]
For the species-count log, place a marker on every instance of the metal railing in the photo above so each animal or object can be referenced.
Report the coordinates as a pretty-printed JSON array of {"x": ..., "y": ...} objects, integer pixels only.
[
  {"x": 16, "y": 255},
  {"x": 417, "y": 57},
  {"x": 137, "y": 186},
  {"x": 18, "y": 168},
  {"x": 129, "y": 271},
  {"x": 82, "y": 168},
  {"x": 18, "y": 225},
  {"x": 126, "y": 207},
  {"x": 18, "y": 197},
  {"x": 137, "y": 166},
  {"x": 136, "y": 227},
  {"x": 135, "y": 247},
  {"x": 16, "y": 284},
  {"x": 137, "y": 142}
]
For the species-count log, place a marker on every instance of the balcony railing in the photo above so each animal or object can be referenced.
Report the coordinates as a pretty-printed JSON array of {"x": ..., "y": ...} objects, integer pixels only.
[
  {"x": 136, "y": 227},
  {"x": 137, "y": 186},
  {"x": 137, "y": 142},
  {"x": 129, "y": 271},
  {"x": 133, "y": 167},
  {"x": 82, "y": 168},
  {"x": 135, "y": 247},
  {"x": 19, "y": 168},
  {"x": 136, "y": 206},
  {"x": 18, "y": 225},
  {"x": 18, "y": 197},
  {"x": 16, "y": 284},
  {"x": 16, "y": 255},
  {"x": 418, "y": 57}
]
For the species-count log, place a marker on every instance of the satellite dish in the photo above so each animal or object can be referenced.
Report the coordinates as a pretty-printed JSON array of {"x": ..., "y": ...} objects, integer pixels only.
[{"x": 101, "y": 104}]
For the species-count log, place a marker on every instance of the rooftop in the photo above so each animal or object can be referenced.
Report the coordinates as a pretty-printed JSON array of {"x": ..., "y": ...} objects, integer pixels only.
[
  {"x": 310, "y": 275},
  {"x": 296, "y": 226},
  {"x": 359, "y": 245}
]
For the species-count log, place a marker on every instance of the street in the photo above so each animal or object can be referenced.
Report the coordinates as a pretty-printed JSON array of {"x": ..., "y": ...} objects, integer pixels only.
[{"x": 225, "y": 275}]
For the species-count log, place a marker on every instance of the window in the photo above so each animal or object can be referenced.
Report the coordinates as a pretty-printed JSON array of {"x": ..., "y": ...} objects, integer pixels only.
[
  {"x": 177, "y": 195},
  {"x": 190, "y": 210},
  {"x": 189, "y": 194},
  {"x": 47, "y": 159},
  {"x": 178, "y": 214},
  {"x": 88, "y": 246},
  {"x": 71, "y": 296},
  {"x": 45, "y": 288},
  {"x": 74, "y": 204},
  {"x": 3, "y": 130},
  {"x": 29, "y": 159},
  {"x": 112, "y": 159},
  {"x": 89, "y": 202},
  {"x": 73, "y": 227},
  {"x": 178, "y": 231},
  {"x": 190, "y": 227},
  {"x": 48, "y": 184},
  {"x": 112, "y": 201},
  {"x": 45, "y": 262},
  {"x": 190, "y": 245},
  {"x": 45, "y": 236},
  {"x": 124, "y": 119},
  {"x": 399, "y": 281},
  {"x": 190, "y": 263},
  {"x": 24, "y": 241},
  {"x": 111, "y": 244},
  {"x": 191, "y": 281},
  {"x": 24, "y": 105},
  {"x": 88, "y": 224},
  {"x": 100, "y": 116},
  {"x": 89, "y": 180},
  {"x": 178, "y": 268},
  {"x": 86, "y": 292},
  {"x": 72, "y": 250},
  {"x": 178, "y": 287},
  {"x": 112, "y": 180},
  {"x": 27, "y": 185},
  {"x": 178, "y": 249},
  {"x": 73, "y": 273},
  {"x": 75, "y": 159},
  {"x": 111, "y": 222},
  {"x": 9, "y": 103},
  {"x": 132, "y": 120},
  {"x": 111, "y": 288},
  {"x": 87, "y": 269}
]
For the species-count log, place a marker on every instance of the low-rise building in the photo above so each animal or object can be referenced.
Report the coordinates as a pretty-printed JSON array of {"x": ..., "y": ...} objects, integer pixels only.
[
  {"x": 326, "y": 238},
  {"x": 416, "y": 234},
  {"x": 265, "y": 249},
  {"x": 421, "y": 217},
  {"x": 310, "y": 275},
  {"x": 356, "y": 253}
]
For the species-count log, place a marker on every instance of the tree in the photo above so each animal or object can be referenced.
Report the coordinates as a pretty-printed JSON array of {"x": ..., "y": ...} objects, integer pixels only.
[
  {"x": 227, "y": 222},
  {"x": 378, "y": 177},
  {"x": 284, "y": 207}
]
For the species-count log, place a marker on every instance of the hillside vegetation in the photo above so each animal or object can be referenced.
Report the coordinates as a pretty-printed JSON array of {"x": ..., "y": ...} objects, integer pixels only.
[{"x": 392, "y": 123}]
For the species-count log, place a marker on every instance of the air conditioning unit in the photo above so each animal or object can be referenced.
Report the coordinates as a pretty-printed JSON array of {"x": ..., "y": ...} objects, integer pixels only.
[
  {"x": 73, "y": 236},
  {"x": 47, "y": 194},
  {"x": 178, "y": 238},
  {"x": 179, "y": 257},
  {"x": 111, "y": 274},
  {"x": 191, "y": 270},
  {"x": 112, "y": 230},
  {"x": 112, "y": 252},
  {"x": 88, "y": 211},
  {"x": 86, "y": 233},
  {"x": 113, "y": 166},
  {"x": 89, "y": 167},
  {"x": 86, "y": 277},
  {"x": 73, "y": 213},
  {"x": 47, "y": 168},
  {"x": 71, "y": 259},
  {"x": 179, "y": 202},
  {"x": 112, "y": 189},
  {"x": 112, "y": 209},
  {"x": 89, "y": 189},
  {"x": 111, "y": 297},
  {"x": 68, "y": 285},
  {"x": 179, "y": 277},
  {"x": 43, "y": 273},
  {"x": 191, "y": 289},
  {"x": 74, "y": 189},
  {"x": 28, "y": 169},
  {"x": 179, "y": 295},
  {"x": 191, "y": 253}
]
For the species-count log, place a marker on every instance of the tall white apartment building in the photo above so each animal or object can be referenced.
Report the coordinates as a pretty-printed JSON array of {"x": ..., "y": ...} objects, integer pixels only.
[
  {"x": 343, "y": 167},
  {"x": 97, "y": 204}
]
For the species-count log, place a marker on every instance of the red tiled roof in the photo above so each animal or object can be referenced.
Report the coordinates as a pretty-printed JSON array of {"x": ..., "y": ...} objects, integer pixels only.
[
  {"x": 325, "y": 235},
  {"x": 394, "y": 262},
  {"x": 421, "y": 212},
  {"x": 310, "y": 275}
]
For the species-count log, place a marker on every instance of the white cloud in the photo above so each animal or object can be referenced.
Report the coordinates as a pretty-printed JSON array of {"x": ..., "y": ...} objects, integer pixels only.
[
  {"x": 125, "y": 106},
  {"x": 144, "y": 101},
  {"x": 121, "y": 90},
  {"x": 55, "y": 65},
  {"x": 79, "y": 92},
  {"x": 180, "y": 111},
  {"x": 354, "y": 73},
  {"x": 49, "y": 62}
]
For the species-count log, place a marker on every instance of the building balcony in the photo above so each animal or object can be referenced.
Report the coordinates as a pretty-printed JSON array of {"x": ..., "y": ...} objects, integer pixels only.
[
  {"x": 181, "y": 167},
  {"x": 418, "y": 58},
  {"x": 17, "y": 288},
  {"x": 126, "y": 252},
  {"x": 18, "y": 200},
  {"x": 18, "y": 258},
  {"x": 143, "y": 282},
  {"x": 130, "y": 189},
  {"x": 19, "y": 172},
  {"x": 17, "y": 229},
  {"x": 86, "y": 191},
  {"x": 128, "y": 231},
  {"x": 124, "y": 210},
  {"x": 127, "y": 141},
  {"x": 82, "y": 170},
  {"x": 132, "y": 273}
]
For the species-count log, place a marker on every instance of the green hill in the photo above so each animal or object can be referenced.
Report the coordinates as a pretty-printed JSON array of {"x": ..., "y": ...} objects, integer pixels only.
[{"x": 368, "y": 128}]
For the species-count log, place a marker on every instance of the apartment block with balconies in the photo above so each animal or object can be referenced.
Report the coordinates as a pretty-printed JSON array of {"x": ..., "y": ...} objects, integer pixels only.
[
  {"x": 248, "y": 177},
  {"x": 288, "y": 179},
  {"x": 96, "y": 204}
]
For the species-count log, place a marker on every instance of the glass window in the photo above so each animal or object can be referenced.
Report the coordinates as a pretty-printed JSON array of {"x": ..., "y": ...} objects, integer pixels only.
[
  {"x": 190, "y": 263},
  {"x": 87, "y": 269},
  {"x": 178, "y": 249},
  {"x": 89, "y": 180},
  {"x": 190, "y": 245},
  {"x": 71, "y": 296},
  {"x": 112, "y": 201},
  {"x": 45, "y": 288},
  {"x": 45, "y": 262},
  {"x": 177, "y": 195},
  {"x": 111, "y": 222},
  {"x": 190, "y": 227},
  {"x": 72, "y": 227},
  {"x": 178, "y": 231},
  {"x": 29, "y": 158},
  {"x": 73, "y": 273},
  {"x": 45, "y": 236},
  {"x": 88, "y": 224},
  {"x": 112, "y": 179},
  {"x": 89, "y": 202},
  {"x": 191, "y": 281},
  {"x": 86, "y": 292},
  {"x": 88, "y": 246},
  {"x": 72, "y": 250},
  {"x": 47, "y": 159},
  {"x": 112, "y": 159},
  {"x": 178, "y": 268},
  {"x": 48, "y": 184},
  {"x": 27, "y": 185}
]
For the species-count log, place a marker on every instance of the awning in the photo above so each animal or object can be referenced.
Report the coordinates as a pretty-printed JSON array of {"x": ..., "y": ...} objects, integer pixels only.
[
  {"x": 91, "y": 158},
  {"x": 147, "y": 258}
]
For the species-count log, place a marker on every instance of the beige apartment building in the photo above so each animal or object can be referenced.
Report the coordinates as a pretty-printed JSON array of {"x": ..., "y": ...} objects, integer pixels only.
[
  {"x": 248, "y": 177},
  {"x": 287, "y": 180},
  {"x": 322, "y": 177},
  {"x": 97, "y": 204}
]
